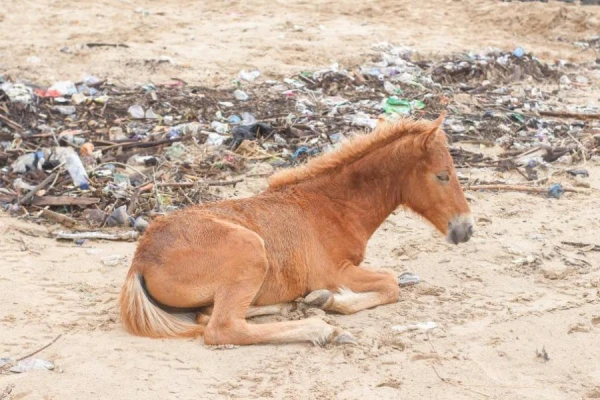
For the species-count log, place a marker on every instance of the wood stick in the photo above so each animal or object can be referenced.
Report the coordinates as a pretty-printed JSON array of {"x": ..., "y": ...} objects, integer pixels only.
[
  {"x": 41, "y": 349},
  {"x": 60, "y": 218},
  {"x": 594, "y": 247},
  {"x": 36, "y": 189},
  {"x": 131, "y": 235},
  {"x": 130, "y": 145},
  {"x": 232, "y": 182},
  {"x": 566, "y": 114},
  {"x": 134, "y": 197},
  {"x": 516, "y": 188},
  {"x": 11, "y": 123},
  {"x": 64, "y": 201}
]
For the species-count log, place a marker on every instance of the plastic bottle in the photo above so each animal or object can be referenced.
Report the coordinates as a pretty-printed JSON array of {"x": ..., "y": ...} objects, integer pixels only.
[{"x": 77, "y": 171}]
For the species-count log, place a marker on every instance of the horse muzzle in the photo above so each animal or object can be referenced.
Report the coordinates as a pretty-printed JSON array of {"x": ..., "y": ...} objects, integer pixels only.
[{"x": 460, "y": 229}]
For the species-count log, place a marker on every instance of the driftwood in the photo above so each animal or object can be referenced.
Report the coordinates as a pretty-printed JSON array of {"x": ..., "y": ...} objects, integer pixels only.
[
  {"x": 64, "y": 201},
  {"x": 566, "y": 114},
  {"x": 517, "y": 188},
  {"x": 36, "y": 189},
  {"x": 60, "y": 218},
  {"x": 11, "y": 123},
  {"x": 131, "y": 235}
]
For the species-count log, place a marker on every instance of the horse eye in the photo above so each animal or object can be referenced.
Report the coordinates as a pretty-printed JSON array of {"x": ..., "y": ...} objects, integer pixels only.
[{"x": 443, "y": 177}]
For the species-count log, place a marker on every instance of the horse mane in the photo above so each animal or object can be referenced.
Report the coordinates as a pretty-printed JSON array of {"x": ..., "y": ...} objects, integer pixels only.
[{"x": 359, "y": 146}]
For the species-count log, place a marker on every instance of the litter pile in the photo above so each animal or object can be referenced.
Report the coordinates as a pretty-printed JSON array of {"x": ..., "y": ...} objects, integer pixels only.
[{"x": 95, "y": 153}]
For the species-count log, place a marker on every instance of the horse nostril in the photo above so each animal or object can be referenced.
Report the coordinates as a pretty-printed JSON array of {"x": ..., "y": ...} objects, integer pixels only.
[{"x": 470, "y": 230}]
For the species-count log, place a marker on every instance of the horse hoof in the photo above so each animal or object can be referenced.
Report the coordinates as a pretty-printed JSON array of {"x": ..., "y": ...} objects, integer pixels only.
[
  {"x": 344, "y": 338},
  {"x": 318, "y": 298}
]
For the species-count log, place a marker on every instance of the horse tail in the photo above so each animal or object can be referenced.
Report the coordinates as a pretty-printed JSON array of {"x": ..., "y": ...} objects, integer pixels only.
[{"x": 142, "y": 317}]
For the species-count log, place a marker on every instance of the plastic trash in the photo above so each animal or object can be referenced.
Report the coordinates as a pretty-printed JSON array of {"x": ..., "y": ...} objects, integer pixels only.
[
  {"x": 249, "y": 75},
  {"x": 391, "y": 88},
  {"x": 32, "y": 364},
  {"x": 116, "y": 133},
  {"x": 140, "y": 224},
  {"x": 421, "y": 326},
  {"x": 17, "y": 93},
  {"x": 65, "y": 88},
  {"x": 147, "y": 161},
  {"x": 114, "y": 260},
  {"x": 219, "y": 127},
  {"x": 29, "y": 162},
  {"x": 240, "y": 95},
  {"x": 118, "y": 217},
  {"x": 78, "y": 98},
  {"x": 21, "y": 186},
  {"x": 175, "y": 152},
  {"x": 66, "y": 110},
  {"x": 249, "y": 132},
  {"x": 519, "y": 52},
  {"x": 555, "y": 191},
  {"x": 408, "y": 279},
  {"x": 397, "y": 106},
  {"x": 93, "y": 216},
  {"x": 136, "y": 111},
  {"x": 579, "y": 172},
  {"x": 303, "y": 151},
  {"x": 77, "y": 171},
  {"x": 234, "y": 119},
  {"x": 214, "y": 139},
  {"x": 150, "y": 114},
  {"x": 247, "y": 118},
  {"x": 564, "y": 80}
]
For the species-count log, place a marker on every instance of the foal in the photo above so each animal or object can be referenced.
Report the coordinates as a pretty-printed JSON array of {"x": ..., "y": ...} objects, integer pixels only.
[{"x": 304, "y": 236}]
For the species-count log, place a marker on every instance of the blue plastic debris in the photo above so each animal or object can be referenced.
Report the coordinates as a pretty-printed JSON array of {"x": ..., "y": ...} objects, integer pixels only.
[
  {"x": 519, "y": 52},
  {"x": 303, "y": 151},
  {"x": 556, "y": 191},
  {"x": 234, "y": 119},
  {"x": 173, "y": 133}
]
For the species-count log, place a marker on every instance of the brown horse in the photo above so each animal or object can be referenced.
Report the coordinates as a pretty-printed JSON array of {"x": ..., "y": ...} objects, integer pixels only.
[{"x": 304, "y": 236}]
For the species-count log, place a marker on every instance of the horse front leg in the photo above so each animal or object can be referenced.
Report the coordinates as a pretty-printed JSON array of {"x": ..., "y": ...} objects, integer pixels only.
[{"x": 358, "y": 288}]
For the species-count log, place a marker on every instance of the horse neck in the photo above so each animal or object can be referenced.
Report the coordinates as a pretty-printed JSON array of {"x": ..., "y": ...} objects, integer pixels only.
[{"x": 366, "y": 191}]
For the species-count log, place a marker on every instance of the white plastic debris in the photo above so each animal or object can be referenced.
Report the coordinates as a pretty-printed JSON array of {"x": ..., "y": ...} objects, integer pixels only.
[
  {"x": 214, "y": 139},
  {"x": 136, "y": 111},
  {"x": 421, "y": 326},
  {"x": 249, "y": 75},
  {"x": 65, "y": 88},
  {"x": 32, "y": 364},
  {"x": 114, "y": 260},
  {"x": 20, "y": 185},
  {"x": 219, "y": 127},
  {"x": 240, "y": 95},
  {"x": 17, "y": 93}
]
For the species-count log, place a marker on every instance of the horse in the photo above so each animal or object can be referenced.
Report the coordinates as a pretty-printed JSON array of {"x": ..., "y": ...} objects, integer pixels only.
[{"x": 304, "y": 237}]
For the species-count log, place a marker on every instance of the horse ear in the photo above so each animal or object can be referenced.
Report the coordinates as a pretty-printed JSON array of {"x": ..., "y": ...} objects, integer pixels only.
[{"x": 435, "y": 125}]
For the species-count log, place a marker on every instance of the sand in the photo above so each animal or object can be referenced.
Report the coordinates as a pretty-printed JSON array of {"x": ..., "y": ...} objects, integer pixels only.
[{"x": 514, "y": 291}]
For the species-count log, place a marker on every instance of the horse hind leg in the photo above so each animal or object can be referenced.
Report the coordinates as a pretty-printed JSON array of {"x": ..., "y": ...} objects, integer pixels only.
[
  {"x": 203, "y": 315},
  {"x": 227, "y": 323}
]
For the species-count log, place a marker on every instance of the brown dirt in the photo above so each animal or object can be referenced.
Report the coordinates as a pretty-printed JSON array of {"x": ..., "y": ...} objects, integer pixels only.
[{"x": 495, "y": 310}]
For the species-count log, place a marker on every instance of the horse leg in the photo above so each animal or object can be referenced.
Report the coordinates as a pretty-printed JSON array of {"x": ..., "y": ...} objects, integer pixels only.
[
  {"x": 228, "y": 325},
  {"x": 358, "y": 289},
  {"x": 256, "y": 311}
]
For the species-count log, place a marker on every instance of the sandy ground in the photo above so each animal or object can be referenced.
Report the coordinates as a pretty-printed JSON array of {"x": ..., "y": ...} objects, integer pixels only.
[
  {"x": 512, "y": 291},
  {"x": 209, "y": 42}
]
